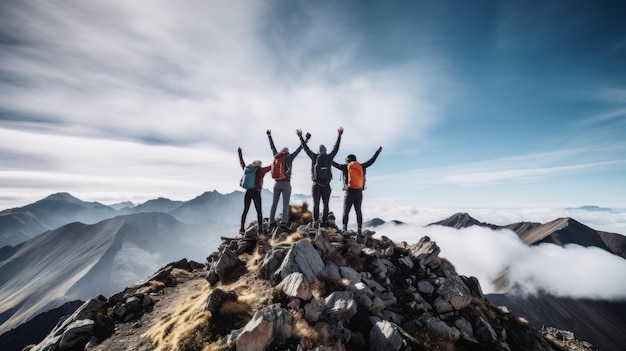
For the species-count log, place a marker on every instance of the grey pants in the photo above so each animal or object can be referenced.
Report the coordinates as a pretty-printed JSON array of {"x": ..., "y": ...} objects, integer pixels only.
[{"x": 281, "y": 187}]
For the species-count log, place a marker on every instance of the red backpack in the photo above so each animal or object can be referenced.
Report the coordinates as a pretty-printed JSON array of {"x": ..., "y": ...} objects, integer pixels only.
[{"x": 279, "y": 166}]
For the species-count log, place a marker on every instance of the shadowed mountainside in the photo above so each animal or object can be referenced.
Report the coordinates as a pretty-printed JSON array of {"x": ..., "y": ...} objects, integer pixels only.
[{"x": 78, "y": 261}]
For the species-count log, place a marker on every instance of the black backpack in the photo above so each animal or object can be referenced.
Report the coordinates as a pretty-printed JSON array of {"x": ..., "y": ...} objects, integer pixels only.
[{"x": 322, "y": 168}]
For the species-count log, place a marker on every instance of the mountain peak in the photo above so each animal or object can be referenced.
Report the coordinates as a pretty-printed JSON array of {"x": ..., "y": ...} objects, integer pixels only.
[
  {"x": 63, "y": 196},
  {"x": 304, "y": 295},
  {"x": 460, "y": 220}
]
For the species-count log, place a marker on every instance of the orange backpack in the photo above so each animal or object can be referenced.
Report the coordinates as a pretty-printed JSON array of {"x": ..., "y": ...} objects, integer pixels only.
[{"x": 356, "y": 178}]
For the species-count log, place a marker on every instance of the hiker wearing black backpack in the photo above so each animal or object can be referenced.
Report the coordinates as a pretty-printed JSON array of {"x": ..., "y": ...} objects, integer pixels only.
[
  {"x": 354, "y": 183},
  {"x": 281, "y": 172},
  {"x": 321, "y": 174},
  {"x": 252, "y": 181}
]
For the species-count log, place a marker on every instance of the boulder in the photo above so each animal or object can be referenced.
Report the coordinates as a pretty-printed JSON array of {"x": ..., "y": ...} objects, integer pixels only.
[
  {"x": 296, "y": 285},
  {"x": 269, "y": 324},
  {"x": 302, "y": 257},
  {"x": 425, "y": 251},
  {"x": 272, "y": 261},
  {"x": 216, "y": 299},
  {"x": 453, "y": 289},
  {"x": 341, "y": 305},
  {"x": 384, "y": 336}
]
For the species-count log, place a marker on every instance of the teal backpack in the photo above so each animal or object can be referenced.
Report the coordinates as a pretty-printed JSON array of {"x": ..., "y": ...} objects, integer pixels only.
[{"x": 248, "y": 180}]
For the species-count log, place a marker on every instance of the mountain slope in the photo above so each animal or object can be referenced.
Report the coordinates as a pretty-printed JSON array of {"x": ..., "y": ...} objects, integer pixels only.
[
  {"x": 20, "y": 224},
  {"x": 600, "y": 322},
  {"x": 77, "y": 261}
]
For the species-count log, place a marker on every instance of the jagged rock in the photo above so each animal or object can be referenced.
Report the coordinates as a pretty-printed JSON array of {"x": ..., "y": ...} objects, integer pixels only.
[
  {"x": 272, "y": 261},
  {"x": 119, "y": 312},
  {"x": 350, "y": 274},
  {"x": 332, "y": 271},
  {"x": 296, "y": 285},
  {"x": 465, "y": 327},
  {"x": 406, "y": 262},
  {"x": 440, "y": 328},
  {"x": 269, "y": 324},
  {"x": 384, "y": 336},
  {"x": 341, "y": 305},
  {"x": 484, "y": 331},
  {"x": 133, "y": 304},
  {"x": 373, "y": 285},
  {"x": 566, "y": 340},
  {"x": 313, "y": 310},
  {"x": 323, "y": 244},
  {"x": 441, "y": 305},
  {"x": 77, "y": 329},
  {"x": 425, "y": 287},
  {"x": 224, "y": 267},
  {"x": 473, "y": 285},
  {"x": 388, "y": 298},
  {"x": 386, "y": 248},
  {"x": 425, "y": 251},
  {"x": 216, "y": 299},
  {"x": 453, "y": 289},
  {"x": 84, "y": 312},
  {"x": 301, "y": 257}
]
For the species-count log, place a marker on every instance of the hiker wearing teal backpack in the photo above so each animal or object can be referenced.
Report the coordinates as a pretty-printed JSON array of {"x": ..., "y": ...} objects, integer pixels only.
[
  {"x": 354, "y": 183},
  {"x": 321, "y": 174},
  {"x": 252, "y": 181},
  {"x": 281, "y": 173}
]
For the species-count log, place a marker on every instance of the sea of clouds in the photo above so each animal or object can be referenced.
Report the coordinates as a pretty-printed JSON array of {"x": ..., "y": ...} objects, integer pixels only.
[{"x": 570, "y": 271}]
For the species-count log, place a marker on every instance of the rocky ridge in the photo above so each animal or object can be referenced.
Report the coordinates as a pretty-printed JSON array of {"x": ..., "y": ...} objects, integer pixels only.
[{"x": 308, "y": 289}]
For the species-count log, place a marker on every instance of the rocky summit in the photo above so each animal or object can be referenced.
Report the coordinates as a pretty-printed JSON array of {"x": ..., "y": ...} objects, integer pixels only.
[{"x": 307, "y": 288}]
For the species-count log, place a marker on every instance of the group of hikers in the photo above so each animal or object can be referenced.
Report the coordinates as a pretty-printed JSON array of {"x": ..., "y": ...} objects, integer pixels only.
[{"x": 321, "y": 174}]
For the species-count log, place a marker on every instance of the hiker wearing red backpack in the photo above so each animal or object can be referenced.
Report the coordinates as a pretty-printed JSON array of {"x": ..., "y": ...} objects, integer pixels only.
[
  {"x": 321, "y": 174},
  {"x": 354, "y": 183},
  {"x": 281, "y": 172},
  {"x": 252, "y": 181}
]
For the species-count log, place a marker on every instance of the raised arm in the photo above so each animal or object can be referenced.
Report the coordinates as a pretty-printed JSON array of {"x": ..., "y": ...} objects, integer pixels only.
[
  {"x": 336, "y": 147},
  {"x": 269, "y": 136},
  {"x": 371, "y": 160},
  {"x": 243, "y": 164},
  {"x": 304, "y": 144}
]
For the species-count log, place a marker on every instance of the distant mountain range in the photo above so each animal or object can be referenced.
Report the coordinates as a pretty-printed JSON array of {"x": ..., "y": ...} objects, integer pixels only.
[
  {"x": 62, "y": 248},
  {"x": 560, "y": 231}
]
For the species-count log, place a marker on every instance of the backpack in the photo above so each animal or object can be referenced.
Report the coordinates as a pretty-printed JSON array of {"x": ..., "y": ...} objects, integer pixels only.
[
  {"x": 356, "y": 176},
  {"x": 248, "y": 180},
  {"x": 322, "y": 168},
  {"x": 279, "y": 166}
]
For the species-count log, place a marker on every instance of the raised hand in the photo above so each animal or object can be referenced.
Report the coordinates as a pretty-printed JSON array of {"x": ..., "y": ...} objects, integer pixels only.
[
  {"x": 299, "y": 132},
  {"x": 268, "y": 132},
  {"x": 340, "y": 130}
]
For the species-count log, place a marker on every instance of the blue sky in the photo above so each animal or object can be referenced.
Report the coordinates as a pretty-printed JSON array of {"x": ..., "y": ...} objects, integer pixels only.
[{"x": 490, "y": 104}]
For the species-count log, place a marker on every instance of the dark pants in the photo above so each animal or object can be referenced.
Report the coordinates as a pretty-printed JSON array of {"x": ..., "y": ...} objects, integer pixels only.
[
  {"x": 353, "y": 197},
  {"x": 321, "y": 191},
  {"x": 252, "y": 195}
]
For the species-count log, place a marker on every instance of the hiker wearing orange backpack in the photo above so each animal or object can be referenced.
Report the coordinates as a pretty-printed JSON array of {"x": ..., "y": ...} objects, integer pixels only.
[
  {"x": 252, "y": 181},
  {"x": 281, "y": 172},
  {"x": 321, "y": 174},
  {"x": 354, "y": 183}
]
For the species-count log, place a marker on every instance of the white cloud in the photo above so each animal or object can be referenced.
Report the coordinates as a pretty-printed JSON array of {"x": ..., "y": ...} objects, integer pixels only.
[{"x": 572, "y": 271}]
